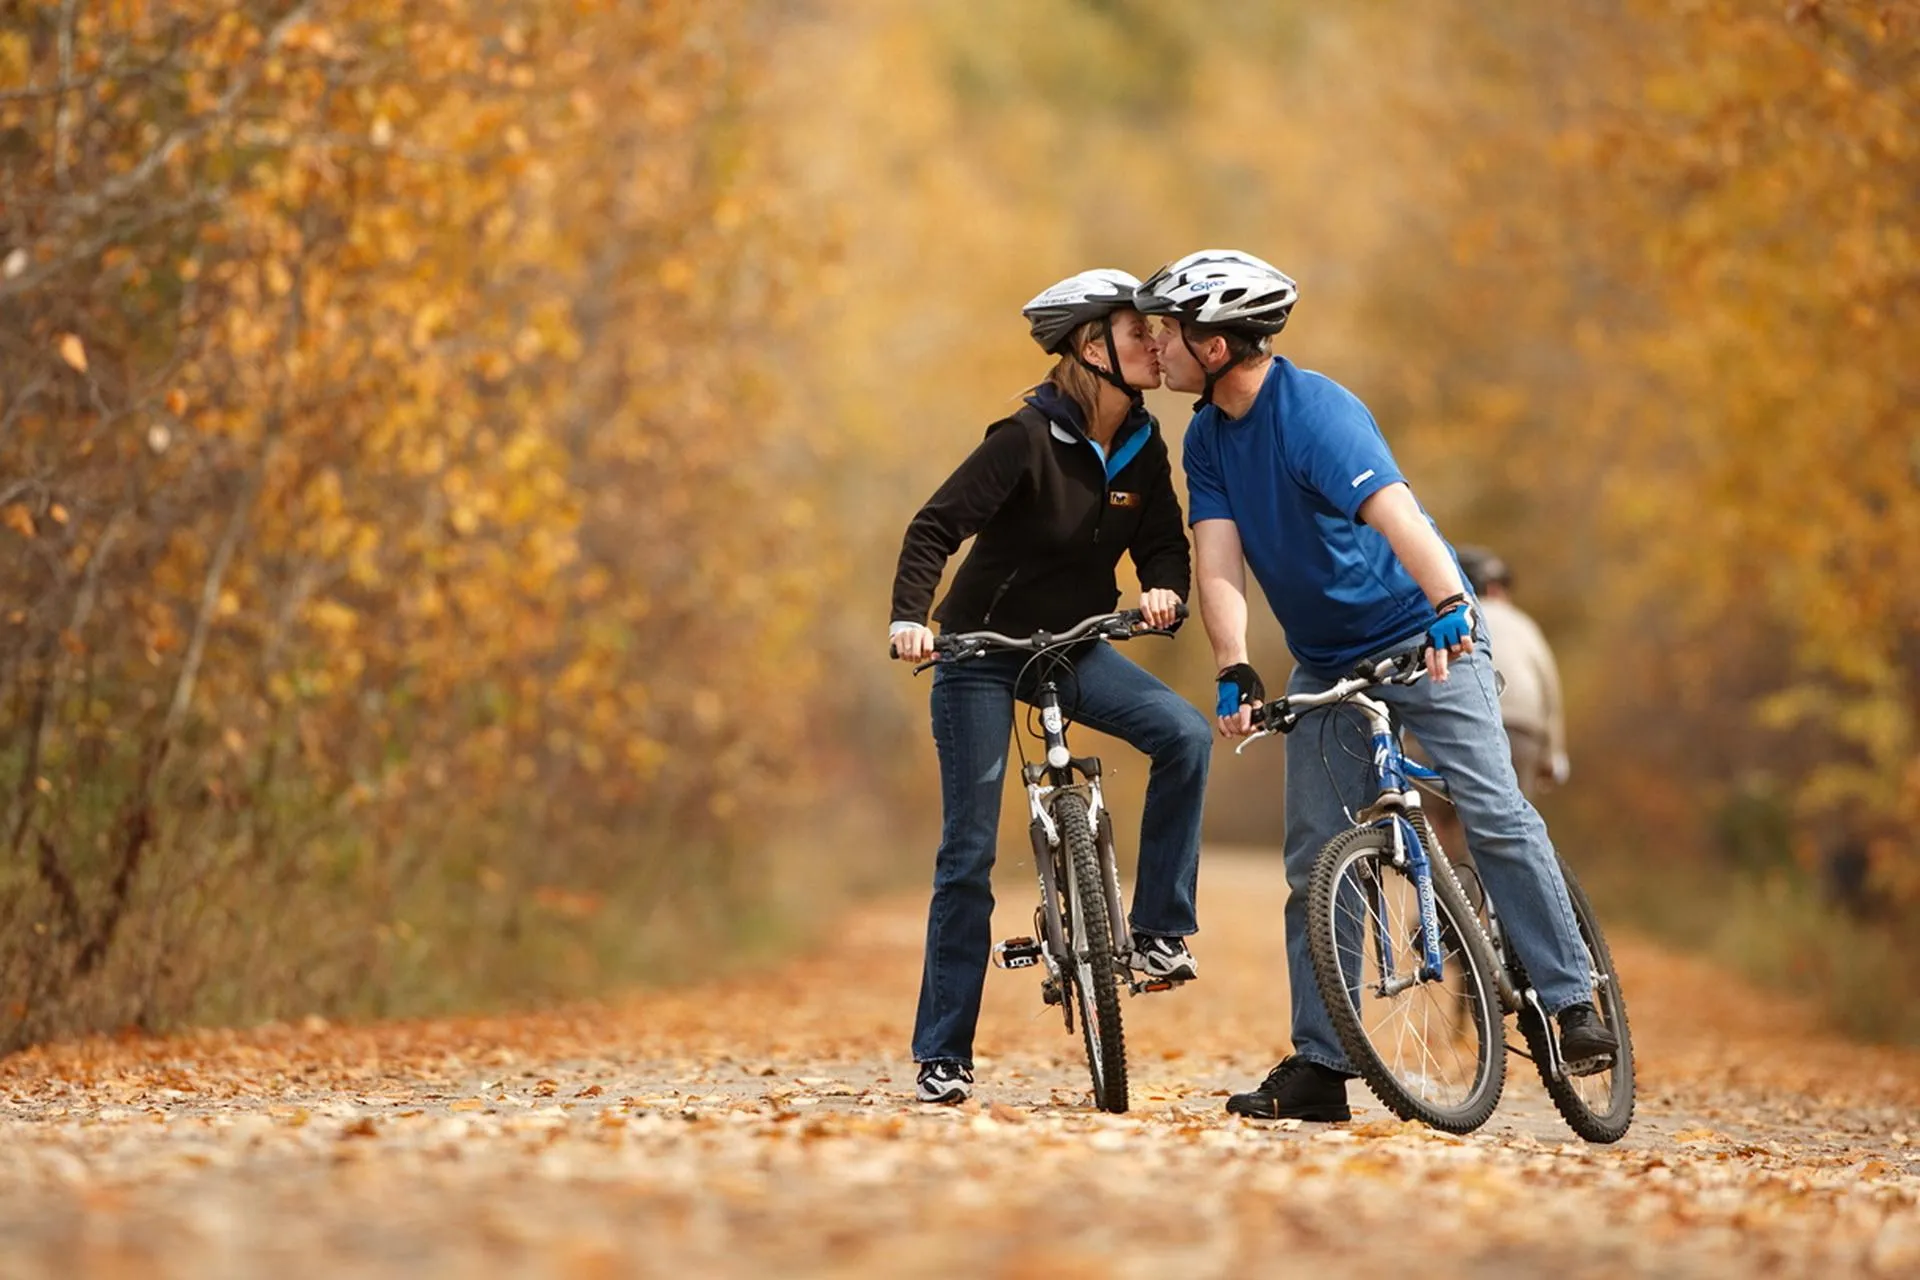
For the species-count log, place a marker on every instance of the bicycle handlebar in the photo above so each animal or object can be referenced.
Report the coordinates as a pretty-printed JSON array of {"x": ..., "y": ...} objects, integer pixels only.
[
  {"x": 1283, "y": 714},
  {"x": 1123, "y": 625}
]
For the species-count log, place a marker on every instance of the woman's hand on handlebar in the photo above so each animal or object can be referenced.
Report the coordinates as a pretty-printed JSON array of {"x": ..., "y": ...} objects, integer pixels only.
[
  {"x": 1159, "y": 607},
  {"x": 912, "y": 644}
]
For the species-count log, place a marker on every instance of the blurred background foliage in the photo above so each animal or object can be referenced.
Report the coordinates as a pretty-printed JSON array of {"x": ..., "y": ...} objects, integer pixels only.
[{"x": 452, "y": 456}]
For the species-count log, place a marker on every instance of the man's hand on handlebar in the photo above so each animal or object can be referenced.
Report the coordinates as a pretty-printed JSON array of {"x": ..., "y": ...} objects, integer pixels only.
[
  {"x": 1240, "y": 691},
  {"x": 1450, "y": 635}
]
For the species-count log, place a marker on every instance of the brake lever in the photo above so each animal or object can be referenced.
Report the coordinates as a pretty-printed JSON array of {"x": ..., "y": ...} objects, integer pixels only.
[{"x": 1251, "y": 738}]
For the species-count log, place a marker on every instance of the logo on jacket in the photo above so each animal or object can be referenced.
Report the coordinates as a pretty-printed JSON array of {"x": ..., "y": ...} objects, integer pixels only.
[{"x": 1119, "y": 499}]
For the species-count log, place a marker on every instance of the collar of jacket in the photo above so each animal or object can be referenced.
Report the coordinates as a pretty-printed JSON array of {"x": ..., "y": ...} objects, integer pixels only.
[{"x": 1064, "y": 411}]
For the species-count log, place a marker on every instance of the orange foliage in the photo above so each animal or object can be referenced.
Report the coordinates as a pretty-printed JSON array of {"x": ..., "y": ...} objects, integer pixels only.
[{"x": 372, "y": 394}]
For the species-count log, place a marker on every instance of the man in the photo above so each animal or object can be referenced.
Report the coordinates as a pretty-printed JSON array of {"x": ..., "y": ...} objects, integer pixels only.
[
  {"x": 1287, "y": 473},
  {"x": 1530, "y": 702}
]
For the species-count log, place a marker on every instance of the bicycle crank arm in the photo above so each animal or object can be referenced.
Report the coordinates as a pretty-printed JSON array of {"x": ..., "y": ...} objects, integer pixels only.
[{"x": 1555, "y": 1067}]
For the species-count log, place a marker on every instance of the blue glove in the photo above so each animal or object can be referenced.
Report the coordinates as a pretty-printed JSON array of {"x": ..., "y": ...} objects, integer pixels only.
[
  {"x": 1239, "y": 685},
  {"x": 1453, "y": 627}
]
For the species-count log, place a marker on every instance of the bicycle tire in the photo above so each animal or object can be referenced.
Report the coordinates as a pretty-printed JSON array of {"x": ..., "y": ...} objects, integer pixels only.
[
  {"x": 1570, "y": 1094},
  {"x": 1090, "y": 940},
  {"x": 1460, "y": 935}
]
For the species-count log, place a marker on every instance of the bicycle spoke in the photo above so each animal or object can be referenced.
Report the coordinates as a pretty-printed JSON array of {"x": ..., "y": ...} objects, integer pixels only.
[{"x": 1417, "y": 1029}]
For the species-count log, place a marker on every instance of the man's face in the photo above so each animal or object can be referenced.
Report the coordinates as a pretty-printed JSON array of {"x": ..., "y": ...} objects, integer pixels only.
[{"x": 1177, "y": 363}]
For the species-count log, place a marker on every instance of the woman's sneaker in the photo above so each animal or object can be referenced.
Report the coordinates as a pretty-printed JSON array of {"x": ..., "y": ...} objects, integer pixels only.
[
  {"x": 945, "y": 1083},
  {"x": 1164, "y": 959}
]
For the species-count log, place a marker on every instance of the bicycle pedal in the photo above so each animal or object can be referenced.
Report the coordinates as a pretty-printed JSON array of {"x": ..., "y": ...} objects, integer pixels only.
[
  {"x": 1016, "y": 953},
  {"x": 1589, "y": 1066}
]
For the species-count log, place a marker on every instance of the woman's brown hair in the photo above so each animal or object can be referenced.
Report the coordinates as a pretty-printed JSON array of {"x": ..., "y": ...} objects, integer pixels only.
[{"x": 1072, "y": 378}]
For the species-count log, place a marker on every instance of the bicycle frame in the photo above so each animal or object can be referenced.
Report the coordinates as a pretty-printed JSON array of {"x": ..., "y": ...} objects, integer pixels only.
[
  {"x": 1396, "y": 797},
  {"x": 1062, "y": 770}
]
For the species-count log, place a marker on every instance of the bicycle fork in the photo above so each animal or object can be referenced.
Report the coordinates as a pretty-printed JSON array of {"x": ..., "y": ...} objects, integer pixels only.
[{"x": 1410, "y": 853}]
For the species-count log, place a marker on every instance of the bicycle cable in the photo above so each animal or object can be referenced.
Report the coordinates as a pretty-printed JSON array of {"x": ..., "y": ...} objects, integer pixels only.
[{"x": 1057, "y": 661}]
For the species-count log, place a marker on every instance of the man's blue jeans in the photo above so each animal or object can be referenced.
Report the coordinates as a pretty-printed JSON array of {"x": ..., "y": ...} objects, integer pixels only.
[
  {"x": 973, "y": 705},
  {"x": 1458, "y": 723}
]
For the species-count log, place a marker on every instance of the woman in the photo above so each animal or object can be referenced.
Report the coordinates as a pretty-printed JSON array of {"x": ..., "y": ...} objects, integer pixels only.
[{"x": 1052, "y": 496}]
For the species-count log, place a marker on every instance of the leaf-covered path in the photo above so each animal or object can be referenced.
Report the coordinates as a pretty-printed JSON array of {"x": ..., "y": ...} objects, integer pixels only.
[{"x": 763, "y": 1126}]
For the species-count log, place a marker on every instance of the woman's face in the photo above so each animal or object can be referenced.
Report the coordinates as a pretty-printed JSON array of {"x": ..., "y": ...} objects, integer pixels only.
[{"x": 1139, "y": 359}]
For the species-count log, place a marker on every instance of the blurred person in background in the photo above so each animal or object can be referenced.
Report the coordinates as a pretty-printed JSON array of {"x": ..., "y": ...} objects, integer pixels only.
[
  {"x": 1288, "y": 473},
  {"x": 1052, "y": 497},
  {"x": 1530, "y": 704}
]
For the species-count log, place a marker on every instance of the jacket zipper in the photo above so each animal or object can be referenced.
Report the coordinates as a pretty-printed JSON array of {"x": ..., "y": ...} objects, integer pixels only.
[
  {"x": 999, "y": 591},
  {"x": 1106, "y": 497}
]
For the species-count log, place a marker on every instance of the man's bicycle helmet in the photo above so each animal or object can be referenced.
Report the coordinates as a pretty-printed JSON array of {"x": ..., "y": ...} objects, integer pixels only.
[{"x": 1223, "y": 289}]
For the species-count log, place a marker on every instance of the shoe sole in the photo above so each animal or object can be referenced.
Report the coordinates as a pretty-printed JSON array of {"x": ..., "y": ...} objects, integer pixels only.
[
  {"x": 1322, "y": 1115},
  {"x": 952, "y": 1097}
]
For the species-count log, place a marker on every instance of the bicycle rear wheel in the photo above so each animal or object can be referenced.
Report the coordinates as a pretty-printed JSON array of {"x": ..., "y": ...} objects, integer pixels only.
[
  {"x": 1597, "y": 1106},
  {"x": 1092, "y": 973},
  {"x": 1432, "y": 1051}
]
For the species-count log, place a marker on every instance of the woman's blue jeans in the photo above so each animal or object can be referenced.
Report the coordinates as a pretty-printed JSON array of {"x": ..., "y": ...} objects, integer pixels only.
[{"x": 973, "y": 707}]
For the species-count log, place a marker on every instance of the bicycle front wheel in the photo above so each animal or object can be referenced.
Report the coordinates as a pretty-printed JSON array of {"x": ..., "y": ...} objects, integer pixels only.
[
  {"x": 1598, "y": 1105},
  {"x": 1092, "y": 972},
  {"x": 1431, "y": 1050}
]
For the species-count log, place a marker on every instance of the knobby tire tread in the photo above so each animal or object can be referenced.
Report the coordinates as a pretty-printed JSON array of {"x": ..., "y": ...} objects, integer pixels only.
[
  {"x": 1346, "y": 1020},
  {"x": 1597, "y": 1127},
  {"x": 1089, "y": 884}
]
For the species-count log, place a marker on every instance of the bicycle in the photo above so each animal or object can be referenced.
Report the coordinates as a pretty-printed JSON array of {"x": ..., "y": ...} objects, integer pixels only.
[
  {"x": 1389, "y": 919},
  {"x": 1080, "y": 936}
]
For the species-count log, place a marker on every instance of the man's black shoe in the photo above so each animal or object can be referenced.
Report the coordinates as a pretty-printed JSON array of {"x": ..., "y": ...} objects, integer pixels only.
[
  {"x": 1586, "y": 1045},
  {"x": 1295, "y": 1090}
]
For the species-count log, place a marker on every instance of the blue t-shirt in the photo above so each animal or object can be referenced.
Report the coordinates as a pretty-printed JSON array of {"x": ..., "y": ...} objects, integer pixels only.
[{"x": 1291, "y": 475}]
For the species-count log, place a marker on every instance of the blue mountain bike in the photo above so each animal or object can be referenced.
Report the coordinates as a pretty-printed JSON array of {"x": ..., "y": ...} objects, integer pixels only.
[{"x": 1416, "y": 972}]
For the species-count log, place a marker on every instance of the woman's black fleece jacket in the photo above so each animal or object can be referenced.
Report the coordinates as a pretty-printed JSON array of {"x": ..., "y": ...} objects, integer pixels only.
[{"x": 1051, "y": 524}]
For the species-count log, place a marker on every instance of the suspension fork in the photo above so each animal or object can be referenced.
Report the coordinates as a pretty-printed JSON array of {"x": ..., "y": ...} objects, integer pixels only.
[
  {"x": 1109, "y": 866},
  {"x": 1405, "y": 835},
  {"x": 1041, "y": 781}
]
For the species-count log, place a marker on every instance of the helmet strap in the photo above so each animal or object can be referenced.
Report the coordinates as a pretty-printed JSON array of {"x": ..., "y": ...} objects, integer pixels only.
[
  {"x": 1213, "y": 376},
  {"x": 1111, "y": 374}
]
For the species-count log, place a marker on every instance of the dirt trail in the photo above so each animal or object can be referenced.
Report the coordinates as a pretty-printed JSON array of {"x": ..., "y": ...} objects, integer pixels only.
[{"x": 763, "y": 1126}]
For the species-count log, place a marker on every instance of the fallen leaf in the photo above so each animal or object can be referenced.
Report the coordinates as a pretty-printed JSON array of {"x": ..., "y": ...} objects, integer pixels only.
[{"x": 73, "y": 351}]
